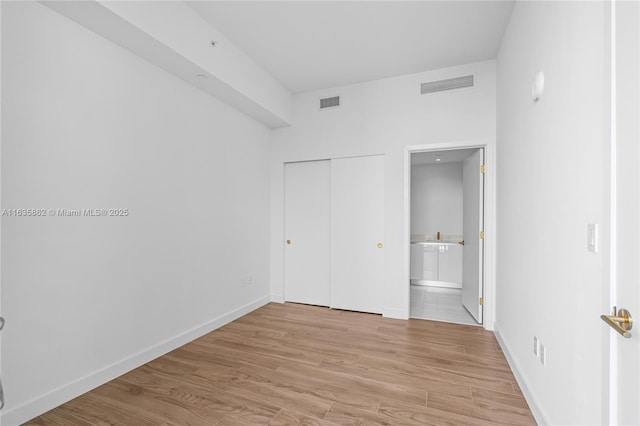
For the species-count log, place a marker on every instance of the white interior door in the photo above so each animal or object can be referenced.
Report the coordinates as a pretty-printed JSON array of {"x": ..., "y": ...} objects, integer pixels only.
[
  {"x": 308, "y": 232},
  {"x": 357, "y": 231},
  {"x": 1, "y": 319},
  {"x": 472, "y": 225},
  {"x": 625, "y": 262}
]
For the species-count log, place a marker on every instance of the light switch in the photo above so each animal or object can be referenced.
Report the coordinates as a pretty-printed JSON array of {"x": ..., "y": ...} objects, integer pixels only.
[{"x": 592, "y": 237}]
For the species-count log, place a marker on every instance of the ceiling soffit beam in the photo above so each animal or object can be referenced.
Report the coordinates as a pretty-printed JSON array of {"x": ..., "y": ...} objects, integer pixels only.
[{"x": 172, "y": 36}]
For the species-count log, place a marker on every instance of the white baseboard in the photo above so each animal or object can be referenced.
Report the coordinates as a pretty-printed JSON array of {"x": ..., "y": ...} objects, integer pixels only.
[
  {"x": 277, "y": 298},
  {"x": 56, "y": 397},
  {"x": 395, "y": 313},
  {"x": 533, "y": 402}
]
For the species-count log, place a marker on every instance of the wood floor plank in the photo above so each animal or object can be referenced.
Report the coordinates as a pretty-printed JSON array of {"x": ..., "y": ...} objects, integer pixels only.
[
  {"x": 495, "y": 413},
  {"x": 100, "y": 411},
  {"x": 429, "y": 373},
  {"x": 266, "y": 385},
  {"x": 394, "y": 377},
  {"x": 175, "y": 410},
  {"x": 292, "y": 418},
  {"x": 451, "y": 361},
  {"x": 291, "y": 364},
  {"x": 281, "y": 352},
  {"x": 214, "y": 399},
  {"x": 327, "y": 390},
  {"x": 63, "y": 418},
  {"x": 307, "y": 405},
  {"x": 323, "y": 352},
  {"x": 370, "y": 341},
  {"x": 404, "y": 412},
  {"x": 516, "y": 389},
  {"x": 364, "y": 386},
  {"x": 236, "y": 354},
  {"x": 349, "y": 416},
  {"x": 499, "y": 398},
  {"x": 253, "y": 330}
]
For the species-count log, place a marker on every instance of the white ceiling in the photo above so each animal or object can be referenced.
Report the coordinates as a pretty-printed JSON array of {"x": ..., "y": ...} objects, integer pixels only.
[{"x": 309, "y": 45}]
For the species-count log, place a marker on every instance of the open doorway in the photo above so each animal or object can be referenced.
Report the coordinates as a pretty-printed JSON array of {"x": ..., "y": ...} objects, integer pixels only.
[{"x": 447, "y": 241}]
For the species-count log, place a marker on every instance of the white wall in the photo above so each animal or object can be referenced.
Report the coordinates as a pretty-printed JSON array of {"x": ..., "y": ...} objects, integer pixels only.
[
  {"x": 87, "y": 124},
  {"x": 436, "y": 199},
  {"x": 551, "y": 157},
  {"x": 380, "y": 117}
]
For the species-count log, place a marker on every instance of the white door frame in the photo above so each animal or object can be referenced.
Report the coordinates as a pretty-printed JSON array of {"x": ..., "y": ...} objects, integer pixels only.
[
  {"x": 613, "y": 343},
  {"x": 489, "y": 219}
]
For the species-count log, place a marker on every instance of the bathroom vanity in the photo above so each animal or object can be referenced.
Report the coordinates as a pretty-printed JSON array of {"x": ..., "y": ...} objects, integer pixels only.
[{"x": 436, "y": 263}]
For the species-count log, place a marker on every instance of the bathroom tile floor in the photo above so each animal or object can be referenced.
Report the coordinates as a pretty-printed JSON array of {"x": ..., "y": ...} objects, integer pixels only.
[{"x": 439, "y": 304}]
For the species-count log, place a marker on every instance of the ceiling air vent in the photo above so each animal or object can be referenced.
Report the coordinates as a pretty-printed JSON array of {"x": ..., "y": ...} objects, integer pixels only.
[
  {"x": 448, "y": 84},
  {"x": 330, "y": 102}
]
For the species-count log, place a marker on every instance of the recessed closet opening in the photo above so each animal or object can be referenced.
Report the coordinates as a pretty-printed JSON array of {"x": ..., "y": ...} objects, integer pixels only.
[
  {"x": 334, "y": 231},
  {"x": 447, "y": 241}
]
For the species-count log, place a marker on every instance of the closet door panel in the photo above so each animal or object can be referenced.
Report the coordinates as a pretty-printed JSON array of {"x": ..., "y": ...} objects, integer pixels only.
[
  {"x": 308, "y": 232},
  {"x": 357, "y": 232}
]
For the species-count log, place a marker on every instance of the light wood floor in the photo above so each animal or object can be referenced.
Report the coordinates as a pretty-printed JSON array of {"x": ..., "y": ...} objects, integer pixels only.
[{"x": 287, "y": 364}]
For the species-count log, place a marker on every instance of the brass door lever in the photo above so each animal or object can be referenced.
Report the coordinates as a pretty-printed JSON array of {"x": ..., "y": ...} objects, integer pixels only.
[{"x": 620, "y": 321}]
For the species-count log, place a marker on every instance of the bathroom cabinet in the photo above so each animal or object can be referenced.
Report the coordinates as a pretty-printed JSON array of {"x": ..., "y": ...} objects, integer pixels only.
[{"x": 436, "y": 263}]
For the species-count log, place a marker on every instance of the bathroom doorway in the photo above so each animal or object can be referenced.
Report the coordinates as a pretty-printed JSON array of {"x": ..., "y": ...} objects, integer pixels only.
[{"x": 447, "y": 235}]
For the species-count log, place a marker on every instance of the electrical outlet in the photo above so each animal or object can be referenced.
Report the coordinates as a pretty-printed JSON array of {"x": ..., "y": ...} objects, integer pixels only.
[
  {"x": 245, "y": 280},
  {"x": 542, "y": 354},
  {"x": 249, "y": 278},
  {"x": 535, "y": 346}
]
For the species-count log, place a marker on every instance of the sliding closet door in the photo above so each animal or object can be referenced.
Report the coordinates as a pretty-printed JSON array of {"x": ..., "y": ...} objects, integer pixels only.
[
  {"x": 357, "y": 231},
  {"x": 308, "y": 232}
]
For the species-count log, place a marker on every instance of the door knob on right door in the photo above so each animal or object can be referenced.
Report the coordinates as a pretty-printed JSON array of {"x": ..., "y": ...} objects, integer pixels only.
[
  {"x": 379, "y": 245},
  {"x": 620, "y": 320}
]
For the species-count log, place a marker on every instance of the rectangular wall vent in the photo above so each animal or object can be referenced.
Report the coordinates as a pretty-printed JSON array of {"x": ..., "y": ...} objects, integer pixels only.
[
  {"x": 448, "y": 84},
  {"x": 330, "y": 102}
]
